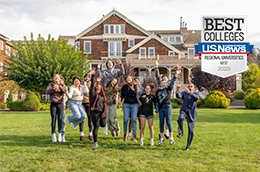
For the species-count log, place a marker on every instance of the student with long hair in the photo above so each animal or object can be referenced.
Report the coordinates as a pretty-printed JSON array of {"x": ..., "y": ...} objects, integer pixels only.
[
  {"x": 163, "y": 103},
  {"x": 148, "y": 102},
  {"x": 75, "y": 95},
  {"x": 98, "y": 106},
  {"x": 56, "y": 90},
  {"x": 111, "y": 90},
  {"x": 130, "y": 105}
]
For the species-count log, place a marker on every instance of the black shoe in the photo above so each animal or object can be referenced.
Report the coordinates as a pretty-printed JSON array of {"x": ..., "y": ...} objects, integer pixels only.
[
  {"x": 179, "y": 135},
  {"x": 167, "y": 137}
]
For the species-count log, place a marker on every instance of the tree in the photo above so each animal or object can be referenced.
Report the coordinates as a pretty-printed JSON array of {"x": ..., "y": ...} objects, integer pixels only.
[
  {"x": 210, "y": 82},
  {"x": 250, "y": 77},
  {"x": 36, "y": 62}
]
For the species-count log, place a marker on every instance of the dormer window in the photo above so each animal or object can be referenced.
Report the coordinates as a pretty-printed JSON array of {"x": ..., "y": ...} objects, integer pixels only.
[{"x": 114, "y": 29}]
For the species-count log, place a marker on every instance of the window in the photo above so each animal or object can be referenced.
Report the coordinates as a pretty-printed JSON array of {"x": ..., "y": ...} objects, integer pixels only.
[
  {"x": 131, "y": 42},
  {"x": 191, "y": 52},
  {"x": 1, "y": 45},
  {"x": 178, "y": 39},
  {"x": 87, "y": 47},
  {"x": 151, "y": 52},
  {"x": 1, "y": 66},
  {"x": 115, "y": 49},
  {"x": 114, "y": 29},
  {"x": 8, "y": 50},
  {"x": 171, "y": 53},
  {"x": 171, "y": 39},
  {"x": 165, "y": 39},
  {"x": 142, "y": 52}
]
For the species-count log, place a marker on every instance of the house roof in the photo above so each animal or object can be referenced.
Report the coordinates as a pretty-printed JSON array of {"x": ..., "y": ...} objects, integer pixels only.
[
  {"x": 192, "y": 37},
  {"x": 67, "y": 37},
  {"x": 153, "y": 36},
  {"x": 113, "y": 12}
]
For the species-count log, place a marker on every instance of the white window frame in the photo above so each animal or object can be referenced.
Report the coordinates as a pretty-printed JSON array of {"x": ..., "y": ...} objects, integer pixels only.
[
  {"x": 171, "y": 39},
  {"x": 85, "y": 51},
  {"x": 1, "y": 45},
  {"x": 1, "y": 66},
  {"x": 116, "y": 28},
  {"x": 171, "y": 53},
  {"x": 149, "y": 53},
  {"x": 8, "y": 50},
  {"x": 131, "y": 44},
  {"x": 191, "y": 52},
  {"x": 106, "y": 29},
  {"x": 140, "y": 52},
  {"x": 115, "y": 49},
  {"x": 178, "y": 39}
]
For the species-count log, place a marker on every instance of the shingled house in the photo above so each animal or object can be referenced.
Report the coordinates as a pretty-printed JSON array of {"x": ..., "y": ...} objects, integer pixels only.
[{"x": 115, "y": 36}]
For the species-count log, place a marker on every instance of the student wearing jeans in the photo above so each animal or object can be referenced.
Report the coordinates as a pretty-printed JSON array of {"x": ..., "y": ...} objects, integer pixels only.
[
  {"x": 56, "y": 90},
  {"x": 163, "y": 103},
  {"x": 75, "y": 95},
  {"x": 130, "y": 105}
]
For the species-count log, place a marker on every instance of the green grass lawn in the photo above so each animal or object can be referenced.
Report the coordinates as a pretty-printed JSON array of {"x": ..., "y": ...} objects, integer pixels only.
[{"x": 225, "y": 140}]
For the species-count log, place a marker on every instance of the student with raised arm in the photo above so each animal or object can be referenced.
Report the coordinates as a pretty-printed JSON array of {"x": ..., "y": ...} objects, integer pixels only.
[
  {"x": 188, "y": 111},
  {"x": 159, "y": 80},
  {"x": 163, "y": 103}
]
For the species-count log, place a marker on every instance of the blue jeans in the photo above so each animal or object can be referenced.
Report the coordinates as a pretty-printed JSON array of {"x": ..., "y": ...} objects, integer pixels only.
[
  {"x": 78, "y": 112},
  {"x": 127, "y": 110},
  {"x": 165, "y": 112}
]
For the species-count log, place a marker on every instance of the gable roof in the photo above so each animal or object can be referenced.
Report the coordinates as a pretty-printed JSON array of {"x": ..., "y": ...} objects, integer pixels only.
[
  {"x": 113, "y": 12},
  {"x": 153, "y": 36}
]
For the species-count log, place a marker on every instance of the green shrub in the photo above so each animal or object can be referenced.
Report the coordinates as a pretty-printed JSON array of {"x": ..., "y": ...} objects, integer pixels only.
[
  {"x": 45, "y": 106},
  {"x": 9, "y": 99},
  {"x": 3, "y": 105},
  {"x": 216, "y": 99},
  {"x": 200, "y": 102},
  {"x": 239, "y": 94},
  {"x": 16, "y": 105},
  {"x": 252, "y": 100},
  {"x": 249, "y": 91},
  {"x": 31, "y": 102},
  {"x": 174, "y": 105},
  {"x": 176, "y": 101}
]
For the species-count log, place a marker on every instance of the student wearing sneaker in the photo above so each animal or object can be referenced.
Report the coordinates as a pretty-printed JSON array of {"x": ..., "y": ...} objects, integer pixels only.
[
  {"x": 111, "y": 91},
  {"x": 65, "y": 98},
  {"x": 85, "y": 103},
  {"x": 130, "y": 105},
  {"x": 188, "y": 111},
  {"x": 163, "y": 103},
  {"x": 56, "y": 90},
  {"x": 159, "y": 79},
  {"x": 108, "y": 74},
  {"x": 148, "y": 101},
  {"x": 98, "y": 106},
  {"x": 75, "y": 95}
]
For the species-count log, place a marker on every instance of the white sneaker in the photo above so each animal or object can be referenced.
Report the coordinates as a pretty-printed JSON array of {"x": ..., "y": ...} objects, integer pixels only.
[
  {"x": 141, "y": 142},
  {"x": 151, "y": 142},
  {"x": 105, "y": 130},
  {"x": 63, "y": 138},
  {"x": 95, "y": 144},
  {"x": 171, "y": 141},
  {"x": 53, "y": 137},
  {"x": 129, "y": 137},
  {"x": 161, "y": 141},
  {"x": 59, "y": 137}
]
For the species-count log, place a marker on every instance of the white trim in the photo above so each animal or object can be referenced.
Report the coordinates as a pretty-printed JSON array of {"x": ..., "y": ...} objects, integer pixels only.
[
  {"x": 131, "y": 39},
  {"x": 85, "y": 52},
  {"x": 189, "y": 55},
  {"x": 1, "y": 66},
  {"x": 140, "y": 49},
  {"x": 153, "y": 36},
  {"x": 1, "y": 45},
  {"x": 113, "y": 12},
  {"x": 151, "y": 48}
]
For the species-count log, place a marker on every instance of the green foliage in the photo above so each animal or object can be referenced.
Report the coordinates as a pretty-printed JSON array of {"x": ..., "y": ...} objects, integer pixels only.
[
  {"x": 249, "y": 91},
  {"x": 216, "y": 99},
  {"x": 31, "y": 102},
  {"x": 176, "y": 101},
  {"x": 239, "y": 94},
  {"x": 251, "y": 77},
  {"x": 252, "y": 100},
  {"x": 36, "y": 62},
  {"x": 16, "y": 105},
  {"x": 9, "y": 99},
  {"x": 3, "y": 105},
  {"x": 174, "y": 105},
  {"x": 200, "y": 102},
  {"x": 45, "y": 106}
]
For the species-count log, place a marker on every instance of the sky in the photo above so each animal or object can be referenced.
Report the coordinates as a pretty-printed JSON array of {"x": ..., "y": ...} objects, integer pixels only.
[{"x": 19, "y": 18}]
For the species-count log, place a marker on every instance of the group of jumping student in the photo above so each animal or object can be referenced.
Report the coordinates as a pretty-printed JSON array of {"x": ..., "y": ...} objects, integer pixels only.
[{"x": 96, "y": 98}]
